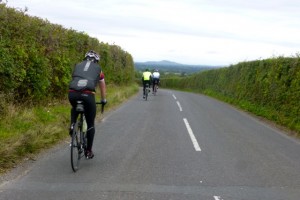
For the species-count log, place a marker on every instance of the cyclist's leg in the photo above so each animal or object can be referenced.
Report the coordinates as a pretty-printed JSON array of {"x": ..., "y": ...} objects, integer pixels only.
[
  {"x": 90, "y": 114},
  {"x": 73, "y": 98}
]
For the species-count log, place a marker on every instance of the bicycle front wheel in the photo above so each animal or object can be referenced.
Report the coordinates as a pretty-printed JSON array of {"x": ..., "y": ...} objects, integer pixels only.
[{"x": 76, "y": 149}]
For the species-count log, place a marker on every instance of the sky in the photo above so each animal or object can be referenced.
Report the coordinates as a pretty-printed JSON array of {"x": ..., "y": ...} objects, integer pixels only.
[{"x": 196, "y": 32}]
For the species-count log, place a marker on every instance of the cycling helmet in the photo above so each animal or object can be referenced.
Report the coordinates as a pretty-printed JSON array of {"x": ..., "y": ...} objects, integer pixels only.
[
  {"x": 92, "y": 55},
  {"x": 156, "y": 70},
  {"x": 147, "y": 70}
]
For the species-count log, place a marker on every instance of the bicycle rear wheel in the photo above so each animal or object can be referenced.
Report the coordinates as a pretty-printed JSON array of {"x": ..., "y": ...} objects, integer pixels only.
[
  {"x": 76, "y": 149},
  {"x": 146, "y": 94}
]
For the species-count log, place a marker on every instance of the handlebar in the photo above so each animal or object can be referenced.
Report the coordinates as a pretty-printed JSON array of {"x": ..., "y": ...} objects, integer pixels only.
[{"x": 102, "y": 106}]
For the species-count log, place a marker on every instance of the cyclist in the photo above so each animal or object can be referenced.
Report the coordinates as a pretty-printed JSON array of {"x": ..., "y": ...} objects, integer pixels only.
[
  {"x": 155, "y": 79},
  {"x": 146, "y": 79},
  {"x": 86, "y": 76}
]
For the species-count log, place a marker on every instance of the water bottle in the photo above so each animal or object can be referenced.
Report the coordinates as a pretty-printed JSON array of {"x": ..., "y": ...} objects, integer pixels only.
[{"x": 84, "y": 125}]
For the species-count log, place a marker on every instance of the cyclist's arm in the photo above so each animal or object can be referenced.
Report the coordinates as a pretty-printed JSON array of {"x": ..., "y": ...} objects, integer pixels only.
[{"x": 102, "y": 87}]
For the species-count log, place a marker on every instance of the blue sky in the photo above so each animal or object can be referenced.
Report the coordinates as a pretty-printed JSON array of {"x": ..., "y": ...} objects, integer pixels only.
[{"x": 208, "y": 32}]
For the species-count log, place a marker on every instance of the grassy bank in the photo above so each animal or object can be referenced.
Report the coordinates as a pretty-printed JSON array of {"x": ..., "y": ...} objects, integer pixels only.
[
  {"x": 25, "y": 132},
  {"x": 277, "y": 118}
]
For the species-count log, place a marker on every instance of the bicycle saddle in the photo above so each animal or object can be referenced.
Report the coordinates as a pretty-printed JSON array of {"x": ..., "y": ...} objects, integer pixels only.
[{"x": 79, "y": 106}]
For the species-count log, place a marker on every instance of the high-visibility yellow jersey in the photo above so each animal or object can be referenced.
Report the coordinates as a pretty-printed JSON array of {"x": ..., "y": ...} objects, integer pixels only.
[{"x": 146, "y": 76}]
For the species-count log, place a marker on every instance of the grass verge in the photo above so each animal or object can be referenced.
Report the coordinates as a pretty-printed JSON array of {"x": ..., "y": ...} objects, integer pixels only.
[
  {"x": 25, "y": 132},
  {"x": 270, "y": 115}
]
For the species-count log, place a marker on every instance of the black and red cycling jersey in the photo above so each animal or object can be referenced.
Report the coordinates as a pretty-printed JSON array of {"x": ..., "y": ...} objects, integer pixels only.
[{"x": 86, "y": 77}]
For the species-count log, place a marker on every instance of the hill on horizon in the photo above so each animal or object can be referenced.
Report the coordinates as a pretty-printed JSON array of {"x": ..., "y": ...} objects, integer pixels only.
[
  {"x": 169, "y": 66},
  {"x": 167, "y": 63}
]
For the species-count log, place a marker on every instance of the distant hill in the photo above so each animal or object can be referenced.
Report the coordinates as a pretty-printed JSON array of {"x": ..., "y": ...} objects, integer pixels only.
[
  {"x": 169, "y": 66},
  {"x": 162, "y": 63}
]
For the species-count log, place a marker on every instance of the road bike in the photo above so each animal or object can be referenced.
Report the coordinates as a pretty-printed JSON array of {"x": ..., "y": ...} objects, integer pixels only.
[{"x": 79, "y": 139}]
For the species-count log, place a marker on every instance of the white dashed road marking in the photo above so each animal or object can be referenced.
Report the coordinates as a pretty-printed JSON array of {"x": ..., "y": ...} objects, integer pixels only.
[
  {"x": 192, "y": 136},
  {"x": 180, "y": 108},
  {"x": 217, "y": 198}
]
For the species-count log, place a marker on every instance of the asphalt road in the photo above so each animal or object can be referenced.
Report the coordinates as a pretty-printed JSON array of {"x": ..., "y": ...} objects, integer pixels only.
[{"x": 174, "y": 146}]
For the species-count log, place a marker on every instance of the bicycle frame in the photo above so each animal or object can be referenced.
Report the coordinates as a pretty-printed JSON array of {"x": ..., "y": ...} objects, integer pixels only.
[{"x": 79, "y": 140}]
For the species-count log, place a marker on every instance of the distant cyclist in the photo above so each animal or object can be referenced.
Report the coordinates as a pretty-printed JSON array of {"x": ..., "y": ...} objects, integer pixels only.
[
  {"x": 146, "y": 79},
  {"x": 85, "y": 78},
  {"x": 155, "y": 79}
]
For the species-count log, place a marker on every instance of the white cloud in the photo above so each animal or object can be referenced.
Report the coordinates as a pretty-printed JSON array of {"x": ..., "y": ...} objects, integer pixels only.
[{"x": 212, "y": 32}]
